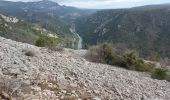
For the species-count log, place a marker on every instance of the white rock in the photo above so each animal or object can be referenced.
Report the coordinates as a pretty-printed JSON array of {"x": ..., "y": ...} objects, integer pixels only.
[
  {"x": 96, "y": 98},
  {"x": 36, "y": 89}
]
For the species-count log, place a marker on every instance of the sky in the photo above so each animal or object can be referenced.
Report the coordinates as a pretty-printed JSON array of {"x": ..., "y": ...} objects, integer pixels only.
[{"x": 105, "y": 4}]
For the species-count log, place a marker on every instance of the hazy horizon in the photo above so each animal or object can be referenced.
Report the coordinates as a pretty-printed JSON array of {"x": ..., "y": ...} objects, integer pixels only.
[{"x": 104, "y": 4}]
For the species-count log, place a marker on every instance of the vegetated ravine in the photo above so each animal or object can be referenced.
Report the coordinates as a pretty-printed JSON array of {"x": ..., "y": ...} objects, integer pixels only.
[
  {"x": 79, "y": 40},
  {"x": 145, "y": 29},
  {"x": 79, "y": 45}
]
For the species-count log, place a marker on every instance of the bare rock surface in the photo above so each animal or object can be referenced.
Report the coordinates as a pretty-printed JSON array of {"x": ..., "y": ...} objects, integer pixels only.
[{"x": 66, "y": 75}]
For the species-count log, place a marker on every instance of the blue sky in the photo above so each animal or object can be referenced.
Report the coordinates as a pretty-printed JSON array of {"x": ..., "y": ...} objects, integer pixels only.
[{"x": 106, "y": 4}]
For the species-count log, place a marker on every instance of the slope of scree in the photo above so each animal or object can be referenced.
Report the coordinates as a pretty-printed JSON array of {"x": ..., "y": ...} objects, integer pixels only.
[{"x": 47, "y": 75}]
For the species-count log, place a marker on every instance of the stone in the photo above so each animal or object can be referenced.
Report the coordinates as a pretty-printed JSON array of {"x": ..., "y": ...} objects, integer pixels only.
[
  {"x": 73, "y": 74},
  {"x": 24, "y": 69},
  {"x": 64, "y": 91},
  {"x": 73, "y": 85},
  {"x": 96, "y": 98},
  {"x": 36, "y": 89},
  {"x": 5, "y": 96}
]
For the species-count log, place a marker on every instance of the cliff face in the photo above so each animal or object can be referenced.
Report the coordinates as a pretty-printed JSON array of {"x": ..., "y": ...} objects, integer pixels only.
[{"x": 29, "y": 72}]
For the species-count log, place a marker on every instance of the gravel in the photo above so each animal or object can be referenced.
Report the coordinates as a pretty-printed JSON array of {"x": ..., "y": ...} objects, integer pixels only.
[{"x": 53, "y": 75}]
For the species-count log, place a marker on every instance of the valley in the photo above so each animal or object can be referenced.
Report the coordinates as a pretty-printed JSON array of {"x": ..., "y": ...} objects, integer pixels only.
[
  {"x": 55, "y": 18},
  {"x": 50, "y": 51},
  {"x": 80, "y": 40},
  {"x": 144, "y": 29}
]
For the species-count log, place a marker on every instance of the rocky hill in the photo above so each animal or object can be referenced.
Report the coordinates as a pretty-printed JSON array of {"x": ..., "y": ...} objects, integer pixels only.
[{"x": 28, "y": 73}]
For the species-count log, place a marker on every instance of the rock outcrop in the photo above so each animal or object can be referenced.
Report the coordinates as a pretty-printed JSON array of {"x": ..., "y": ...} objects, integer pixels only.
[{"x": 66, "y": 75}]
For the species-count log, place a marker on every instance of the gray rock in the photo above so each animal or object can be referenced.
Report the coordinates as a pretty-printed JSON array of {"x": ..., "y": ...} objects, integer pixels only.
[
  {"x": 74, "y": 73},
  {"x": 36, "y": 89},
  {"x": 96, "y": 98}
]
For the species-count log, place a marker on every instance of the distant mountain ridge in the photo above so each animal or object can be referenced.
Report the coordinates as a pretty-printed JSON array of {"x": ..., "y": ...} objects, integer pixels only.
[
  {"x": 145, "y": 29},
  {"x": 48, "y": 14},
  {"x": 42, "y": 6}
]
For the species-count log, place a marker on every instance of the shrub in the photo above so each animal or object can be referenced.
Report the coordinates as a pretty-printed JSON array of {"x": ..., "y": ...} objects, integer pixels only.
[
  {"x": 133, "y": 62},
  {"x": 105, "y": 53},
  {"x": 101, "y": 53},
  {"x": 93, "y": 54},
  {"x": 160, "y": 73},
  {"x": 41, "y": 41},
  {"x": 47, "y": 41}
]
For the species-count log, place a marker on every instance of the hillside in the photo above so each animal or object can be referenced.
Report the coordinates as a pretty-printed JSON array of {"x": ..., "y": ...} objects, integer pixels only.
[
  {"x": 49, "y": 15},
  {"x": 19, "y": 30},
  {"x": 106, "y": 71},
  {"x": 145, "y": 29},
  {"x": 67, "y": 75}
]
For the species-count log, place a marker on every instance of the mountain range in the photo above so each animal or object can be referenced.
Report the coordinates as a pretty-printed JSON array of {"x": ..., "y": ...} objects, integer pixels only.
[
  {"x": 145, "y": 29},
  {"x": 47, "y": 14}
]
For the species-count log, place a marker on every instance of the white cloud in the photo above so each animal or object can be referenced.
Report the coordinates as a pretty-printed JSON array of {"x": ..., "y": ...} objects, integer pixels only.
[
  {"x": 101, "y": 4},
  {"x": 110, "y": 3}
]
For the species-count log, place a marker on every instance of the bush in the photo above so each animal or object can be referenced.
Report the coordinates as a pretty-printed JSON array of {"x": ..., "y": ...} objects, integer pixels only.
[
  {"x": 41, "y": 41},
  {"x": 102, "y": 53},
  {"x": 105, "y": 53},
  {"x": 47, "y": 41},
  {"x": 133, "y": 62},
  {"x": 93, "y": 54},
  {"x": 160, "y": 73}
]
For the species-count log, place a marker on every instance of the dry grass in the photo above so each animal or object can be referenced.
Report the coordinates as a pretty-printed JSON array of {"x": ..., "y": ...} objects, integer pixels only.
[
  {"x": 29, "y": 52},
  {"x": 93, "y": 54}
]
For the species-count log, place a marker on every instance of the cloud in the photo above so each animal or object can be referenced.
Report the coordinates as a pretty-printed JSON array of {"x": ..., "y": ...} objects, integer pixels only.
[{"x": 105, "y": 4}]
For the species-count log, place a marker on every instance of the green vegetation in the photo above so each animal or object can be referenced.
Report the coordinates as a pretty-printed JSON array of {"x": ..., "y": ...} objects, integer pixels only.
[
  {"x": 47, "y": 41},
  {"x": 105, "y": 53},
  {"x": 136, "y": 28},
  {"x": 55, "y": 18},
  {"x": 21, "y": 31},
  {"x": 133, "y": 62},
  {"x": 160, "y": 73}
]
